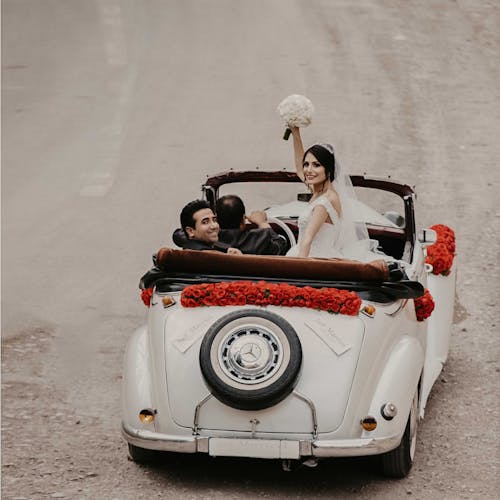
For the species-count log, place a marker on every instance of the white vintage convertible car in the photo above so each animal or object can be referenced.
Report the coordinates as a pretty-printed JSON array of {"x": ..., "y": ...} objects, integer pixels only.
[{"x": 286, "y": 358}]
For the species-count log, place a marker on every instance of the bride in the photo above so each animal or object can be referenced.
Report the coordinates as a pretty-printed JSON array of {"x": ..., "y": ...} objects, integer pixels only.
[{"x": 327, "y": 228}]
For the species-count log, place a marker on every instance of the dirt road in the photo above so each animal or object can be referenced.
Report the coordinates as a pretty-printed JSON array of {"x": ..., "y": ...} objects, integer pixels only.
[{"x": 113, "y": 112}]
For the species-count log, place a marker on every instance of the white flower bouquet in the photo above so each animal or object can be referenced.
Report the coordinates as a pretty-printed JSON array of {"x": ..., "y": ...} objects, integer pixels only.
[{"x": 296, "y": 111}]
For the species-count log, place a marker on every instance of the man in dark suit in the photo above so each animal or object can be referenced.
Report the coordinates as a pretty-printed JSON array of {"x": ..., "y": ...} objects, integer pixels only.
[{"x": 262, "y": 240}]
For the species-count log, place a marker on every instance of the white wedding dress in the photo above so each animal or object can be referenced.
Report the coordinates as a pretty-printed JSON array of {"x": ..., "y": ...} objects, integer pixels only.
[
  {"x": 329, "y": 240},
  {"x": 326, "y": 243}
]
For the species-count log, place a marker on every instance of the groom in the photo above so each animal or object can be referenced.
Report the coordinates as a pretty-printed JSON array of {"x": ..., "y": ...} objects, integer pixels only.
[{"x": 231, "y": 231}]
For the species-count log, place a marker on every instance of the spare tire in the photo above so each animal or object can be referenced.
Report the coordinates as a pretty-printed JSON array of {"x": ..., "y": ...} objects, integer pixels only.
[{"x": 251, "y": 359}]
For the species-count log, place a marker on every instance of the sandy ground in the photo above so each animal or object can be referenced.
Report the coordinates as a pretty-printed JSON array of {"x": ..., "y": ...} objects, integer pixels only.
[{"x": 113, "y": 112}]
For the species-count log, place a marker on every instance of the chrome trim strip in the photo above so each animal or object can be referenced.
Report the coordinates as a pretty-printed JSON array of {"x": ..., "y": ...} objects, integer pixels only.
[
  {"x": 197, "y": 414},
  {"x": 313, "y": 411},
  {"x": 156, "y": 441},
  {"x": 354, "y": 447}
]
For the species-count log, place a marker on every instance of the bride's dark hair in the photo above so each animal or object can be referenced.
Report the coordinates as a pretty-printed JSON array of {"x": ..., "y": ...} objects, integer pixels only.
[{"x": 325, "y": 155}]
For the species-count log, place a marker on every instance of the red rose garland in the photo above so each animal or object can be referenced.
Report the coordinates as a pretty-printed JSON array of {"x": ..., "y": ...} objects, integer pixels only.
[
  {"x": 424, "y": 306},
  {"x": 263, "y": 294},
  {"x": 441, "y": 254},
  {"x": 239, "y": 293}
]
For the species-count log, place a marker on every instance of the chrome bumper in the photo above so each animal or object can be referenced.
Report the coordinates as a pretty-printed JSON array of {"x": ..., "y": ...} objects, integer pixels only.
[{"x": 283, "y": 449}]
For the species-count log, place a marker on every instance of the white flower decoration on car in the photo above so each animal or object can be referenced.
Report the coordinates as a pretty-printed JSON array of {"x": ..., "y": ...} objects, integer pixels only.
[{"x": 296, "y": 110}]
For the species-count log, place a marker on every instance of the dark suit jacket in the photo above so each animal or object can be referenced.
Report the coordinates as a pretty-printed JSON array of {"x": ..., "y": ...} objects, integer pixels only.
[
  {"x": 200, "y": 245},
  {"x": 258, "y": 241}
]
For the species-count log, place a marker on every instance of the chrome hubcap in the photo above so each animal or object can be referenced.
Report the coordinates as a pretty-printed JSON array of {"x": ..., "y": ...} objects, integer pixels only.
[{"x": 250, "y": 355}]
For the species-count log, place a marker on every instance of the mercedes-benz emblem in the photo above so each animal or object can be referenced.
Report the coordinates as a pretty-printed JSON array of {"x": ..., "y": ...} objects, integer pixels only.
[{"x": 250, "y": 352}]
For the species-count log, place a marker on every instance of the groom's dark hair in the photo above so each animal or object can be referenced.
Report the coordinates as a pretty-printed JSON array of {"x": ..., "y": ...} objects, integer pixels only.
[
  {"x": 325, "y": 157},
  {"x": 187, "y": 219}
]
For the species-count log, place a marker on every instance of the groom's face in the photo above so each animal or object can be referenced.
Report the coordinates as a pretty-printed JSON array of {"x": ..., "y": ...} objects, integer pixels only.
[{"x": 206, "y": 227}]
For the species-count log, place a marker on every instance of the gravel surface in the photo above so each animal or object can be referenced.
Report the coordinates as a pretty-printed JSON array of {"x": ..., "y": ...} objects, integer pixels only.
[{"x": 113, "y": 113}]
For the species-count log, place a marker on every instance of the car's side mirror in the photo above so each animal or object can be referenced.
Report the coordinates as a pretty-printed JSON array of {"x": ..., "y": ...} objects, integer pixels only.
[{"x": 427, "y": 237}]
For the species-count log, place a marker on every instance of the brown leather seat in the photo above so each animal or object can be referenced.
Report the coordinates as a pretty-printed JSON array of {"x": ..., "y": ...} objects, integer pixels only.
[{"x": 208, "y": 262}]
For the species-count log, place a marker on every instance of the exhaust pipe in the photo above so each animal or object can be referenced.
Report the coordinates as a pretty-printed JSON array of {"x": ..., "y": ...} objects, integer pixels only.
[{"x": 291, "y": 465}]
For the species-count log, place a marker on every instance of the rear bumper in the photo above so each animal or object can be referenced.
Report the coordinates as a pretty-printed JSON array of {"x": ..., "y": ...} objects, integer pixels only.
[{"x": 259, "y": 448}]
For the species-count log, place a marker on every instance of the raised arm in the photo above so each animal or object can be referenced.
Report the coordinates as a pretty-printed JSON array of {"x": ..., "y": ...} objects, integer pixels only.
[{"x": 298, "y": 150}]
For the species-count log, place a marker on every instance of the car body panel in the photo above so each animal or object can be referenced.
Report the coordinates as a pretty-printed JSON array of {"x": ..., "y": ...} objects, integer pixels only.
[
  {"x": 442, "y": 289},
  {"x": 333, "y": 342}
]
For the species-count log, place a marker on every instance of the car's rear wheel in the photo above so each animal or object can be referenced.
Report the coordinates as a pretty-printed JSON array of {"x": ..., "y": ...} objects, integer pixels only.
[
  {"x": 398, "y": 462},
  {"x": 251, "y": 359},
  {"x": 143, "y": 455}
]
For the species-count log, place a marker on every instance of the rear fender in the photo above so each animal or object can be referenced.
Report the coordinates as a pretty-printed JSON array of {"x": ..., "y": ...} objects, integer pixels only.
[
  {"x": 397, "y": 385},
  {"x": 136, "y": 384},
  {"x": 442, "y": 289}
]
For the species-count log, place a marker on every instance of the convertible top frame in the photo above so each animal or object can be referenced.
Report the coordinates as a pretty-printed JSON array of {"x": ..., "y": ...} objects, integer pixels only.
[{"x": 213, "y": 183}]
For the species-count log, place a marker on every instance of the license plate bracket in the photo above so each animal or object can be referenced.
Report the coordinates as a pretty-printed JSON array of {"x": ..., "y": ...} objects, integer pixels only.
[{"x": 253, "y": 448}]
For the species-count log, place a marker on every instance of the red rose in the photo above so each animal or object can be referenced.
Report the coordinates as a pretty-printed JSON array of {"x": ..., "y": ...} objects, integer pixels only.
[
  {"x": 440, "y": 258},
  {"x": 210, "y": 300},
  {"x": 424, "y": 306},
  {"x": 146, "y": 295},
  {"x": 251, "y": 292},
  {"x": 445, "y": 235},
  {"x": 187, "y": 302},
  {"x": 219, "y": 293},
  {"x": 195, "y": 292},
  {"x": 240, "y": 300},
  {"x": 298, "y": 301}
]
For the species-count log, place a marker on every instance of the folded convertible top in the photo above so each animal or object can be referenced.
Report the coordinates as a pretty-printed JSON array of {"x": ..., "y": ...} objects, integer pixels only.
[{"x": 272, "y": 266}]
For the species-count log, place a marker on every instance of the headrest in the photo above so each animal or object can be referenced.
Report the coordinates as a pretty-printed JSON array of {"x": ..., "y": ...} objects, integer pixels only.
[{"x": 271, "y": 266}]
